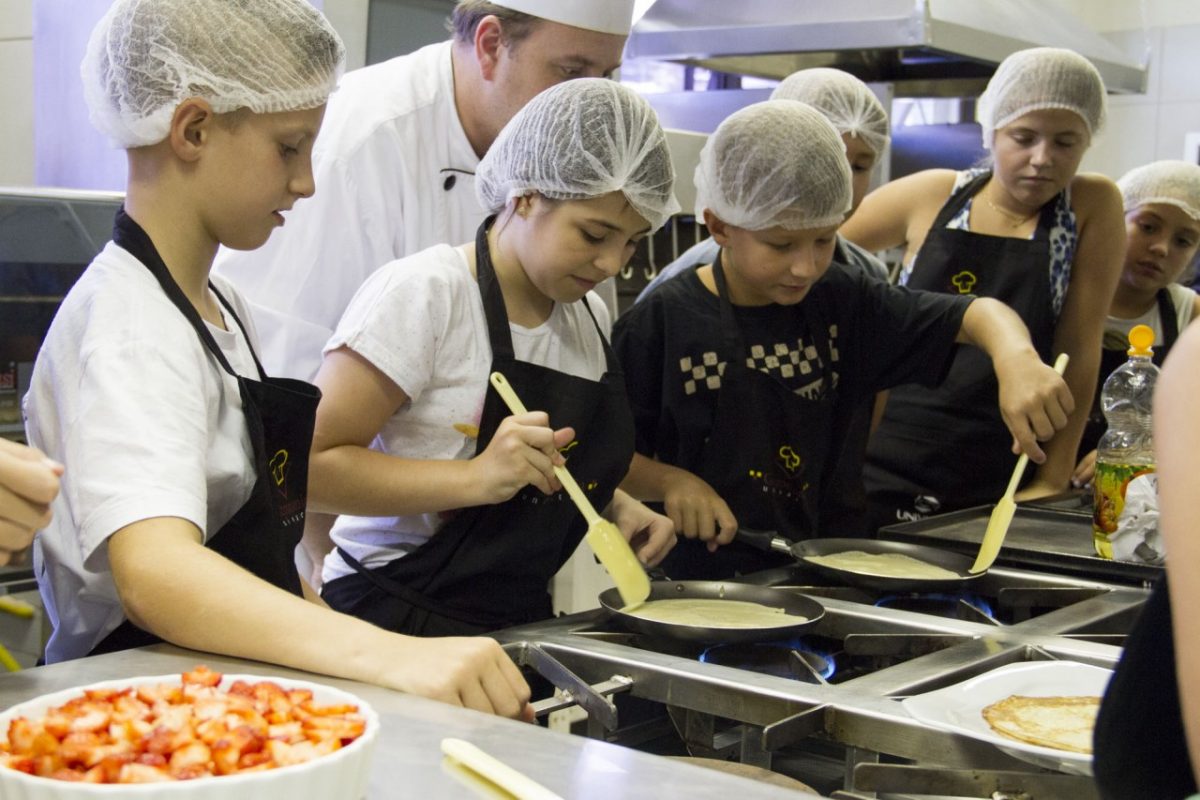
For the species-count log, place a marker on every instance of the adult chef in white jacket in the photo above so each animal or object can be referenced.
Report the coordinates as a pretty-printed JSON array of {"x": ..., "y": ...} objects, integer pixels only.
[{"x": 395, "y": 161}]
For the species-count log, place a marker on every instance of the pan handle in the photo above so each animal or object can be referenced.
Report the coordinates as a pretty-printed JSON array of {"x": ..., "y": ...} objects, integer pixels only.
[{"x": 768, "y": 541}]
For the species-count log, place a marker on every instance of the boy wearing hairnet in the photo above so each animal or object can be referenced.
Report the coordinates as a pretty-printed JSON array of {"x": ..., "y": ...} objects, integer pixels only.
[
  {"x": 744, "y": 374},
  {"x": 859, "y": 118},
  {"x": 451, "y": 518},
  {"x": 185, "y": 493},
  {"x": 1162, "y": 230}
]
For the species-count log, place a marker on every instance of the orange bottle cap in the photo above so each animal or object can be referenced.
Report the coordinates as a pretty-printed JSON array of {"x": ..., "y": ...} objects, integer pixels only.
[{"x": 1141, "y": 340}]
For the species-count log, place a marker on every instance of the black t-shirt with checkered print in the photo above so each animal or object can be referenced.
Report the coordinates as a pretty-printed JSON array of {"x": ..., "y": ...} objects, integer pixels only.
[{"x": 670, "y": 348}]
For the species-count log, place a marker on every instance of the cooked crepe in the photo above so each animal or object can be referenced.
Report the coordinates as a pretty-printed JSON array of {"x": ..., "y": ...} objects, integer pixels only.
[
  {"x": 884, "y": 565},
  {"x": 715, "y": 613},
  {"x": 1064, "y": 723}
]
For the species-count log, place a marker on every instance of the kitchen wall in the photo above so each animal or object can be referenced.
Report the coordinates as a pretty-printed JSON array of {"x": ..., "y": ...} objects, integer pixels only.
[{"x": 16, "y": 92}]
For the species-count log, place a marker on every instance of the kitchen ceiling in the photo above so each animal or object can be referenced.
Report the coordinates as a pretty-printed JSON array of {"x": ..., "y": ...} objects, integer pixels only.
[{"x": 924, "y": 47}]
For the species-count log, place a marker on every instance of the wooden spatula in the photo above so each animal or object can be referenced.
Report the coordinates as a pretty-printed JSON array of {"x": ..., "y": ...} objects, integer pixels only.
[
  {"x": 603, "y": 537},
  {"x": 1002, "y": 514},
  {"x": 496, "y": 774}
]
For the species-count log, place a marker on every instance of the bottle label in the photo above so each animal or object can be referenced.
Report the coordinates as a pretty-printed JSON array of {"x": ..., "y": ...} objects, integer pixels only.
[{"x": 1125, "y": 513}]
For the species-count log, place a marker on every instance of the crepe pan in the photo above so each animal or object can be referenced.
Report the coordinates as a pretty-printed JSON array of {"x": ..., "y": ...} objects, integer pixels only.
[
  {"x": 957, "y": 563},
  {"x": 790, "y": 602}
]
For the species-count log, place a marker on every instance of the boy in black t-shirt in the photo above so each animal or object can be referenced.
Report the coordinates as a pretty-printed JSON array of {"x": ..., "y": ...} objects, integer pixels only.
[{"x": 743, "y": 374}]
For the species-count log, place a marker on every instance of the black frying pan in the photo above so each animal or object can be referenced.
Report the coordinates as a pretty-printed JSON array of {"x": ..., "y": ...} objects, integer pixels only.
[
  {"x": 790, "y": 602},
  {"x": 955, "y": 562}
]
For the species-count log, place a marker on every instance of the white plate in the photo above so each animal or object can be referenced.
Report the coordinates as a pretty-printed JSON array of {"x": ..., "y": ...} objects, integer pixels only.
[
  {"x": 341, "y": 774},
  {"x": 959, "y": 708}
]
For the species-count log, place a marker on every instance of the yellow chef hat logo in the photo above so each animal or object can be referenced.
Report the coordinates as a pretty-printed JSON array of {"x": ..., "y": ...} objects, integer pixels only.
[
  {"x": 964, "y": 281},
  {"x": 789, "y": 458}
]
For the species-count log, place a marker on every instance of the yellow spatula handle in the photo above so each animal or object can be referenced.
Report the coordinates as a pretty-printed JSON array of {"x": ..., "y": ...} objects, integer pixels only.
[{"x": 509, "y": 396}]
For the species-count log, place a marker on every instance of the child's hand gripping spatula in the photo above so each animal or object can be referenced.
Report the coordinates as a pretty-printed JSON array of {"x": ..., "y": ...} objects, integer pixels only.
[
  {"x": 603, "y": 537},
  {"x": 1002, "y": 514}
]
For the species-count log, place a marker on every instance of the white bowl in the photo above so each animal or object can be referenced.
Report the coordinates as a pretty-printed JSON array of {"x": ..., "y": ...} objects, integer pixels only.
[{"x": 342, "y": 774}]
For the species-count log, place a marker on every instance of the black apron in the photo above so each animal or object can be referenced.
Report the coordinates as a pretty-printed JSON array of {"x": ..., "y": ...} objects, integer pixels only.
[
  {"x": 1111, "y": 358},
  {"x": 947, "y": 448},
  {"x": 489, "y": 567},
  {"x": 262, "y": 535},
  {"x": 1140, "y": 750},
  {"x": 767, "y": 453}
]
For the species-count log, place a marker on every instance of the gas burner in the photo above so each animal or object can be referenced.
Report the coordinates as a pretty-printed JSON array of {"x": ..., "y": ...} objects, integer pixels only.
[
  {"x": 968, "y": 607},
  {"x": 794, "y": 658}
]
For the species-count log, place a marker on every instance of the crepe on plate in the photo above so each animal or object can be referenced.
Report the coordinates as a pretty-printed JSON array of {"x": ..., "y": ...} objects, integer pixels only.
[{"x": 1063, "y": 723}]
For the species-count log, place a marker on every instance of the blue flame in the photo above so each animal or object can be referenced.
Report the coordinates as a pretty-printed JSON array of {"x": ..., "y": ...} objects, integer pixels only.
[
  {"x": 801, "y": 645},
  {"x": 980, "y": 604}
]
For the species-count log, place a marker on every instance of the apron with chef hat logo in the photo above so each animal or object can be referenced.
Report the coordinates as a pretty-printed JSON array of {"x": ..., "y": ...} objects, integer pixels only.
[
  {"x": 262, "y": 535},
  {"x": 948, "y": 447},
  {"x": 767, "y": 452},
  {"x": 1113, "y": 357},
  {"x": 489, "y": 567}
]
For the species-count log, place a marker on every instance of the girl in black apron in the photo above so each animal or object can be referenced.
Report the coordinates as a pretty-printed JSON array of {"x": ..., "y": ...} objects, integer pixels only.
[
  {"x": 1028, "y": 231},
  {"x": 1162, "y": 225},
  {"x": 488, "y": 566}
]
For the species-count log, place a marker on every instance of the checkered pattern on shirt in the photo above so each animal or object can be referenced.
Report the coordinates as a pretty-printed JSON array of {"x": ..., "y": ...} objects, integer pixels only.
[{"x": 795, "y": 364}]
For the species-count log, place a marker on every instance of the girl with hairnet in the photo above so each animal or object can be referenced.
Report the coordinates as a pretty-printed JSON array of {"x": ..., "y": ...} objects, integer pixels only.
[
  {"x": 1162, "y": 227},
  {"x": 184, "y": 498},
  {"x": 452, "y": 519},
  {"x": 1026, "y": 230},
  {"x": 745, "y": 374}
]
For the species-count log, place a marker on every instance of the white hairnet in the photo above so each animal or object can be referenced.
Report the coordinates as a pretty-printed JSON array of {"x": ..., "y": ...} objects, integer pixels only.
[
  {"x": 147, "y": 56},
  {"x": 578, "y": 140},
  {"x": 780, "y": 162},
  {"x": 1038, "y": 78},
  {"x": 843, "y": 98},
  {"x": 1176, "y": 183}
]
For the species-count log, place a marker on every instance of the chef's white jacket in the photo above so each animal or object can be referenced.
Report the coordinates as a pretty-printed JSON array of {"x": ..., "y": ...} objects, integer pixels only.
[{"x": 394, "y": 175}]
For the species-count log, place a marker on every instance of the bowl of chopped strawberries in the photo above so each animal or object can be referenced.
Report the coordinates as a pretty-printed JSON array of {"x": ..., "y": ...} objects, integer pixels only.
[{"x": 196, "y": 736}]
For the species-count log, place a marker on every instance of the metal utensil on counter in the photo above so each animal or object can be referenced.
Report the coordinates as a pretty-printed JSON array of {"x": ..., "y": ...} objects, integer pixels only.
[
  {"x": 516, "y": 784},
  {"x": 602, "y": 536},
  {"x": 1002, "y": 514}
]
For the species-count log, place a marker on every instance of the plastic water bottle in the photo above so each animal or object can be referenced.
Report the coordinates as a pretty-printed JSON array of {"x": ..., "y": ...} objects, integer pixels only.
[{"x": 1125, "y": 503}]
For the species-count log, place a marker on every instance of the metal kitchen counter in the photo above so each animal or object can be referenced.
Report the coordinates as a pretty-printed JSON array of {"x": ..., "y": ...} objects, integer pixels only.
[{"x": 408, "y": 758}]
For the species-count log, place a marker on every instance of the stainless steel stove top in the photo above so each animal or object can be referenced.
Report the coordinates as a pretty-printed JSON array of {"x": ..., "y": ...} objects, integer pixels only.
[{"x": 884, "y": 654}]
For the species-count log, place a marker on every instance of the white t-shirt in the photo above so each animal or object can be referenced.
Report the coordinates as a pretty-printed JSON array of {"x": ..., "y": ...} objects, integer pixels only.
[
  {"x": 395, "y": 174},
  {"x": 146, "y": 421},
  {"x": 1116, "y": 330},
  {"x": 420, "y": 321}
]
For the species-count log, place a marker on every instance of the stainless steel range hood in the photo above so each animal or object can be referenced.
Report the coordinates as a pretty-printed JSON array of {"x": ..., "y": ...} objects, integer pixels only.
[{"x": 923, "y": 47}]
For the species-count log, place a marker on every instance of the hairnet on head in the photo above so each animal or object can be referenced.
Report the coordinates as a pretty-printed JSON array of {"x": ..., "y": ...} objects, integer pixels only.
[
  {"x": 1176, "y": 183},
  {"x": 1040, "y": 78},
  {"x": 843, "y": 99},
  {"x": 145, "y": 57},
  {"x": 780, "y": 162},
  {"x": 579, "y": 140}
]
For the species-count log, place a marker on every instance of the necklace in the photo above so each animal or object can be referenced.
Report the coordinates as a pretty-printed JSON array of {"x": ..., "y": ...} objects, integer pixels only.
[{"x": 1014, "y": 220}]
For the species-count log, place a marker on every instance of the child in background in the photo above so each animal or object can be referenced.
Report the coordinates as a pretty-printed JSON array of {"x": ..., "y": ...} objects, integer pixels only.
[
  {"x": 185, "y": 499},
  {"x": 1162, "y": 228},
  {"x": 452, "y": 519},
  {"x": 744, "y": 374}
]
